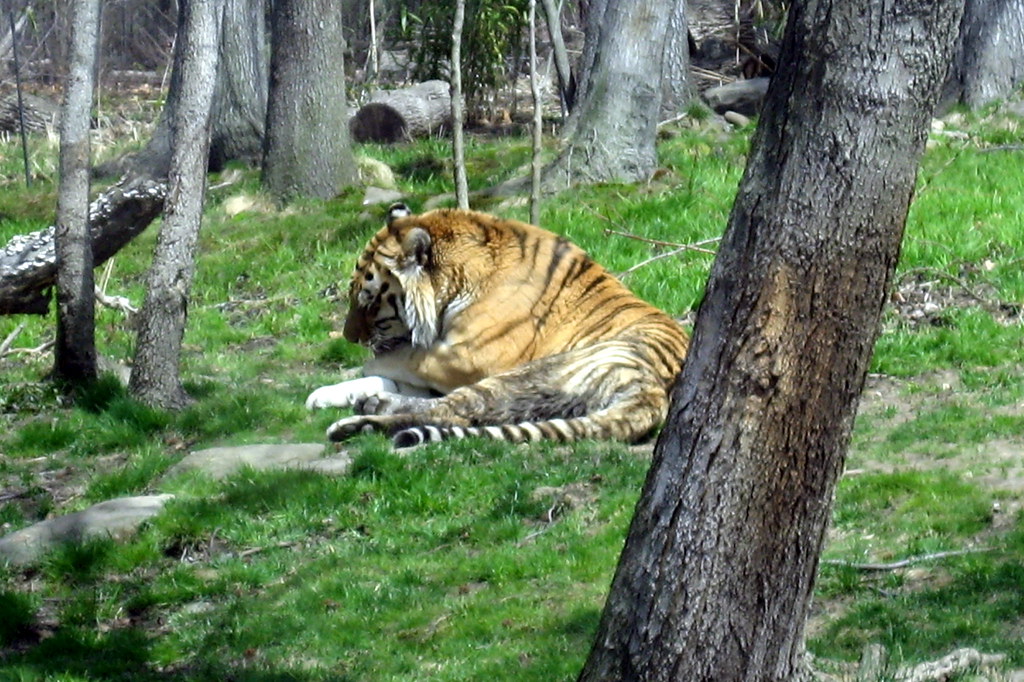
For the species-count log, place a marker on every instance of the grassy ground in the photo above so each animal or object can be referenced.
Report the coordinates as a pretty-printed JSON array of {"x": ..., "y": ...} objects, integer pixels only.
[{"x": 474, "y": 560}]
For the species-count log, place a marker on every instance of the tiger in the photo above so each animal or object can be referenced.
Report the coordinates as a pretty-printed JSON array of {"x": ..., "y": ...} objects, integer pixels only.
[{"x": 483, "y": 326}]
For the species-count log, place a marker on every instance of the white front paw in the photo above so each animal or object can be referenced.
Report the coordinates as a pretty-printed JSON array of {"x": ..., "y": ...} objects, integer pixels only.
[{"x": 347, "y": 393}]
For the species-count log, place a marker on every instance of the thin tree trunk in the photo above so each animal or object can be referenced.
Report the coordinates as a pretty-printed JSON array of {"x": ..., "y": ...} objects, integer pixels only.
[
  {"x": 537, "y": 120},
  {"x": 306, "y": 148},
  {"x": 566, "y": 82},
  {"x": 715, "y": 581},
  {"x": 155, "y": 377},
  {"x": 458, "y": 114},
  {"x": 75, "y": 350}
]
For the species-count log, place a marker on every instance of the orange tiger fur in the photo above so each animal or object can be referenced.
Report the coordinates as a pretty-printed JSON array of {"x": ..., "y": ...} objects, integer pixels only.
[{"x": 523, "y": 334}]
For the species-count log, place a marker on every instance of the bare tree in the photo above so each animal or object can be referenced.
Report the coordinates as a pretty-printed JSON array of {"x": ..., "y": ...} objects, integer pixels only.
[
  {"x": 535, "y": 165},
  {"x": 306, "y": 149},
  {"x": 611, "y": 132},
  {"x": 676, "y": 87},
  {"x": 989, "y": 62},
  {"x": 240, "y": 99},
  {"x": 155, "y": 377},
  {"x": 716, "y": 576},
  {"x": 75, "y": 350},
  {"x": 566, "y": 80},
  {"x": 458, "y": 114}
]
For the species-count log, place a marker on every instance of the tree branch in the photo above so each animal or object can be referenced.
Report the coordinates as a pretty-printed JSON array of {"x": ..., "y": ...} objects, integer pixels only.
[{"x": 28, "y": 263}]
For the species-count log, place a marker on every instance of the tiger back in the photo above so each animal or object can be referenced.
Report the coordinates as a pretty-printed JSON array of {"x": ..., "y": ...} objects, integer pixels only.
[{"x": 522, "y": 334}]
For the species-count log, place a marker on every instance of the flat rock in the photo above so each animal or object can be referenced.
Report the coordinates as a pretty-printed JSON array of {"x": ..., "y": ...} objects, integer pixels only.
[
  {"x": 221, "y": 462},
  {"x": 118, "y": 518}
]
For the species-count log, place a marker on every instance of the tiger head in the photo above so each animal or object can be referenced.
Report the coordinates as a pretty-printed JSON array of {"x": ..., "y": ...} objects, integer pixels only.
[{"x": 391, "y": 295}]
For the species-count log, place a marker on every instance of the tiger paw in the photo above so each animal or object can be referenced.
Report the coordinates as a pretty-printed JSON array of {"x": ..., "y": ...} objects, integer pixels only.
[
  {"x": 348, "y": 393},
  {"x": 343, "y": 429},
  {"x": 385, "y": 403}
]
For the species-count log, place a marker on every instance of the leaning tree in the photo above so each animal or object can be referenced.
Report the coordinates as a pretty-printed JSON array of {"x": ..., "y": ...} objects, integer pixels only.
[
  {"x": 156, "y": 378},
  {"x": 715, "y": 580}
]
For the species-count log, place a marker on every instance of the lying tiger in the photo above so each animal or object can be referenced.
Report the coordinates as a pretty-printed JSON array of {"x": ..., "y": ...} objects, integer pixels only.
[{"x": 487, "y": 327}]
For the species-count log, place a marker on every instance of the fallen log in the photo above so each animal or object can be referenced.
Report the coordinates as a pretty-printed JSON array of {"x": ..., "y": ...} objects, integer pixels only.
[
  {"x": 28, "y": 264},
  {"x": 396, "y": 115}
]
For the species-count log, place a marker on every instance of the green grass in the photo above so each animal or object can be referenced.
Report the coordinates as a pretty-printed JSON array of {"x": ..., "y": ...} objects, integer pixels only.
[{"x": 443, "y": 563}]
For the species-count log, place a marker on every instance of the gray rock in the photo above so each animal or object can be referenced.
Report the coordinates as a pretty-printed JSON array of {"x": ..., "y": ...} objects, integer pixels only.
[
  {"x": 743, "y": 96},
  {"x": 737, "y": 119},
  {"x": 380, "y": 195},
  {"x": 118, "y": 518},
  {"x": 219, "y": 463}
]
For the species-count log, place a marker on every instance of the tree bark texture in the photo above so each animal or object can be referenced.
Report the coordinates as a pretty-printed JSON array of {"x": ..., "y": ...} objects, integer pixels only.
[
  {"x": 989, "y": 62},
  {"x": 240, "y": 102},
  {"x": 306, "y": 147},
  {"x": 75, "y": 348},
  {"x": 716, "y": 576},
  {"x": 676, "y": 86},
  {"x": 28, "y": 263},
  {"x": 611, "y": 134},
  {"x": 240, "y": 98},
  {"x": 566, "y": 80},
  {"x": 458, "y": 115},
  {"x": 155, "y": 378}
]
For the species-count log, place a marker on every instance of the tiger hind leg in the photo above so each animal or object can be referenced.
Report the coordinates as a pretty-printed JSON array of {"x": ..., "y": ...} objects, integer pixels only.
[{"x": 571, "y": 396}]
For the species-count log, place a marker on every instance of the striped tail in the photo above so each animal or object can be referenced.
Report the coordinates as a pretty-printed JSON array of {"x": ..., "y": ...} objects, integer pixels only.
[{"x": 630, "y": 428}]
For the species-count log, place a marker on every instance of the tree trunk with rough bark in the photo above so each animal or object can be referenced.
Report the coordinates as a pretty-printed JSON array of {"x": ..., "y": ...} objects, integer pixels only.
[
  {"x": 75, "y": 348},
  {"x": 566, "y": 80},
  {"x": 676, "y": 85},
  {"x": 156, "y": 378},
  {"x": 240, "y": 99},
  {"x": 458, "y": 115},
  {"x": 306, "y": 149},
  {"x": 611, "y": 133},
  {"x": 989, "y": 62},
  {"x": 715, "y": 580}
]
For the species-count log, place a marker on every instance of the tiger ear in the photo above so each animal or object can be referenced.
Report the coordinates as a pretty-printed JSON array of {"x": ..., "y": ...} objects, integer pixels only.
[
  {"x": 416, "y": 246},
  {"x": 396, "y": 211}
]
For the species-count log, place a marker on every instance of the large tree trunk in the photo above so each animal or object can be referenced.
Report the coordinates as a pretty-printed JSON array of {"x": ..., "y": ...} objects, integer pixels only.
[
  {"x": 611, "y": 133},
  {"x": 989, "y": 62},
  {"x": 155, "y": 377},
  {"x": 306, "y": 149},
  {"x": 75, "y": 349},
  {"x": 716, "y": 576},
  {"x": 240, "y": 99}
]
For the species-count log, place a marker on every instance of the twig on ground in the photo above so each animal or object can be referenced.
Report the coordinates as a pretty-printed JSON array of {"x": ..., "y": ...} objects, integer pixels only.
[
  {"x": 120, "y": 303},
  {"x": 952, "y": 278},
  {"x": 257, "y": 550},
  {"x": 903, "y": 563},
  {"x": 38, "y": 350},
  {"x": 10, "y": 339},
  {"x": 1003, "y": 148},
  {"x": 946, "y": 667}
]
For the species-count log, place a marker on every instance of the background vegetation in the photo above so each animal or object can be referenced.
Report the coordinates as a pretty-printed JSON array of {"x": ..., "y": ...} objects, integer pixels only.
[{"x": 473, "y": 560}]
